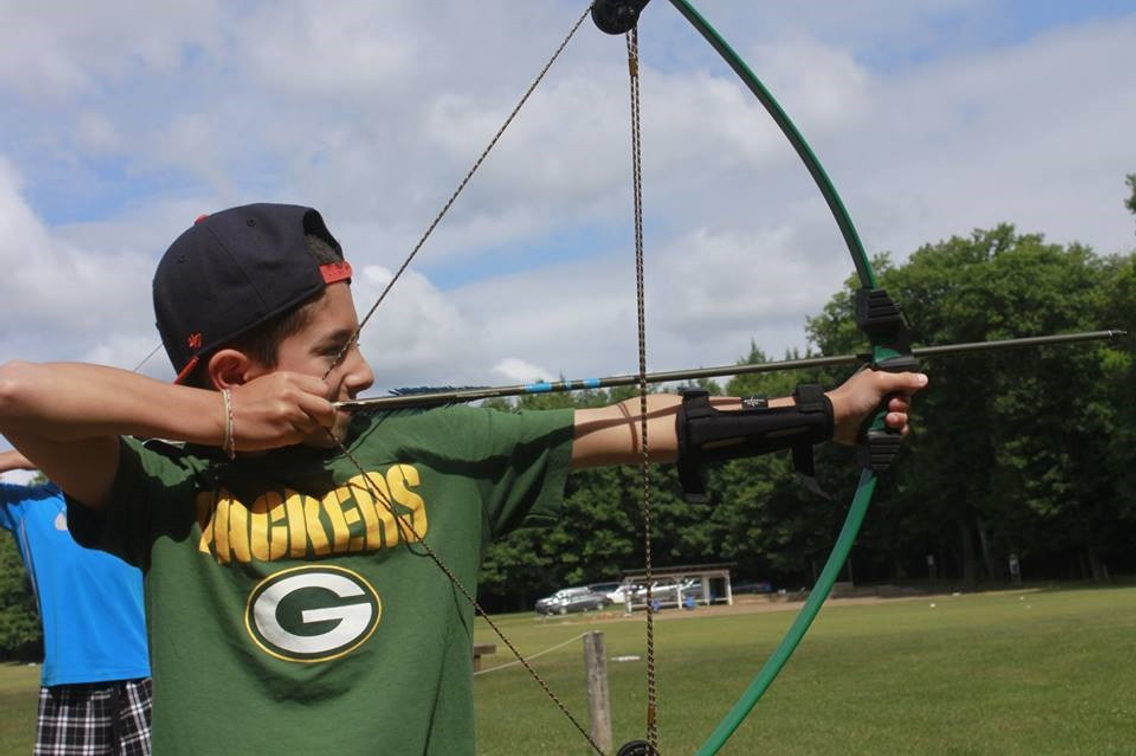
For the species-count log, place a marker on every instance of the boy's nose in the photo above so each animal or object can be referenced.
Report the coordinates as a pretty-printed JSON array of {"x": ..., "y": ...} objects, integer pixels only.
[{"x": 358, "y": 374}]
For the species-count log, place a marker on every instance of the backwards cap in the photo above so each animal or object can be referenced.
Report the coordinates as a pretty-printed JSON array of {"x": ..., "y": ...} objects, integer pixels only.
[{"x": 232, "y": 271}]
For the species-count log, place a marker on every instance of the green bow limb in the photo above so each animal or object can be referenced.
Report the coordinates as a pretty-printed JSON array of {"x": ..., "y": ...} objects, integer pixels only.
[{"x": 740, "y": 710}]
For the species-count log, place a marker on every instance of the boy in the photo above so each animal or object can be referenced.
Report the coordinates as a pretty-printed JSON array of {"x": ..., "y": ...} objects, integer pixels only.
[
  {"x": 291, "y": 604},
  {"x": 94, "y": 697}
]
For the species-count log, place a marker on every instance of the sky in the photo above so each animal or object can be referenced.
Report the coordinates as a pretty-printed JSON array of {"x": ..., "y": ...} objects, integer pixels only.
[{"x": 121, "y": 122}]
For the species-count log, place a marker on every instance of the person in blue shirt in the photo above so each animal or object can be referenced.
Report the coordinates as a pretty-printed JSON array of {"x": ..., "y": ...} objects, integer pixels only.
[{"x": 95, "y": 689}]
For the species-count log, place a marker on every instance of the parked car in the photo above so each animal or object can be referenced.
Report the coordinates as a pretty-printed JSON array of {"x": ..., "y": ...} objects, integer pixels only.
[
  {"x": 567, "y": 600},
  {"x": 623, "y": 591},
  {"x": 605, "y": 588},
  {"x": 667, "y": 592}
]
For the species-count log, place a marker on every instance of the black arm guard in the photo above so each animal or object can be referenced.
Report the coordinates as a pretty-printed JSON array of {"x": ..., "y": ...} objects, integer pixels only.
[{"x": 709, "y": 435}]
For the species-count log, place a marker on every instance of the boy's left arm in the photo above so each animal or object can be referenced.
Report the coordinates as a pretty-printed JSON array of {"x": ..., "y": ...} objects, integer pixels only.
[{"x": 610, "y": 435}]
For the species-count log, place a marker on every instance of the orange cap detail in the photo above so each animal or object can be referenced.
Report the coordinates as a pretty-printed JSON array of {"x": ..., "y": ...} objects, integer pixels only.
[{"x": 336, "y": 271}]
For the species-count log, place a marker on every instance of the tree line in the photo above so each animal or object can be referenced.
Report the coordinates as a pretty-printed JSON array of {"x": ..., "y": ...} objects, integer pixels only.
[{"x": 1028, "y": 452}]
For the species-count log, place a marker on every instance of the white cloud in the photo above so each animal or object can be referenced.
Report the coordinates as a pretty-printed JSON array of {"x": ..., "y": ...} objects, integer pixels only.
[
  {"x": 513, "y": 370},
  {"x": 96, "y": 134},
  {"x": 360, "y": 46},
  {"x": 50, "y": 51},
  {"x": 1033, "y": 135},
  {"x": 417, "y": 336},
  {"x": 20, "y": 231},
  {"x": 63, "y": 301}
]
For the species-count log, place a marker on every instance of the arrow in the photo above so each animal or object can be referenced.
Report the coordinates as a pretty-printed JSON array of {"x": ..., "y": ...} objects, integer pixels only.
[{"x": 431, "y": 398}]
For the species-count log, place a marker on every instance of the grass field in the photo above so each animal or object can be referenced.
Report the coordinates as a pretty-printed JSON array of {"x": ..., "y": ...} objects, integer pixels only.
[
  {"x": 1023, "y": 672},
  {"x": 19, "y": 693},
  {"x": 1007, "y": 673}
]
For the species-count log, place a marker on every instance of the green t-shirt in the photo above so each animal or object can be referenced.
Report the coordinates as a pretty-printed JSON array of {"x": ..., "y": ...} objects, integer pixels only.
[{"x": 290, "y": 614}]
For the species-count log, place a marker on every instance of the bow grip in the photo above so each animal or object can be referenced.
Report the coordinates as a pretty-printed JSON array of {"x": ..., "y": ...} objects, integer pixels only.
[
  {"x": 882, "y": 320},
  {"x": 879, "y": 444}
]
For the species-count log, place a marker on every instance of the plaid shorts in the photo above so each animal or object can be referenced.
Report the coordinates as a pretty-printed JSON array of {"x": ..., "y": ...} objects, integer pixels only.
[{"x": 95, "y": 719}]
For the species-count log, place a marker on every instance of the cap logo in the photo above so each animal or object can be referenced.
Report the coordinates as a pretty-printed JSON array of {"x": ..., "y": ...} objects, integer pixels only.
[
  {"x": 336, "y": 271},
  {"x": 194, "y": 340}
]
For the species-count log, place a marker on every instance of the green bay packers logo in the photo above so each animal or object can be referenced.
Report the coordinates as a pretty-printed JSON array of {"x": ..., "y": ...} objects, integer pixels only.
[{"x": 312, "y": 614}]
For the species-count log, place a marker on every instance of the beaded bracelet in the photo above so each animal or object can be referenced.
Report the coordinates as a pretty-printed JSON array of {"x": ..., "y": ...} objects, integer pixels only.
[{"x": 229, "y": 444}]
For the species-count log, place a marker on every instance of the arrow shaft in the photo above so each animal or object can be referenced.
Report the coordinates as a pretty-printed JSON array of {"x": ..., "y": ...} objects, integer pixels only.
[{"x": 433, "y": 398}]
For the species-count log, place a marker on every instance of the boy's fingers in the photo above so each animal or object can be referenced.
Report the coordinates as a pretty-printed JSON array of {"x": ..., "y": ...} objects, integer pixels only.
[
  {"x": 902, "y": 382},
  {"x": 318, "y": 409},
  {"x": 899, "y": 404},
  {"x": 308, "y": 394},
  {"x": 898, "y": 422},
  {"x": 279, "y": 409}
]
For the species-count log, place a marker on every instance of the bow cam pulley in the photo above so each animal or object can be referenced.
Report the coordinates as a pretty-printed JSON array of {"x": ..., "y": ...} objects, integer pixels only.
[
  {"x": 637, "y": 748},
  {"x": 617, "y": 16}
]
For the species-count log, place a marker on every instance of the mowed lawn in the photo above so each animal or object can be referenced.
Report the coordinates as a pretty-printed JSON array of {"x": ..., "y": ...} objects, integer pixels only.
[
  {"x": 19, "y": 697},
  {"x": 1008, "y": 672}
]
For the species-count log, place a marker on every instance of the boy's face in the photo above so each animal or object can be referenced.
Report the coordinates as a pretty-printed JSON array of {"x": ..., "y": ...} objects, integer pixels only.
[{"x": 312, "y": 351}]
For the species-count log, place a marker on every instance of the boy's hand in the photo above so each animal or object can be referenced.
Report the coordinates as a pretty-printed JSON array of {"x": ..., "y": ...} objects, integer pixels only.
[
  {"x": 860, "y": 396},
  {"x": 280, "y": 409}
]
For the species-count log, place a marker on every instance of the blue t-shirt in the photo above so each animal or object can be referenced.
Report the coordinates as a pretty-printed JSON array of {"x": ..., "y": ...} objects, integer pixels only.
[{"x": 90, "y": 603}]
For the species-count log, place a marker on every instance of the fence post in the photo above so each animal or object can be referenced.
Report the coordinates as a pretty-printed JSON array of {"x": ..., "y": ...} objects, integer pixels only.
[{"x": 599, "y": 704}]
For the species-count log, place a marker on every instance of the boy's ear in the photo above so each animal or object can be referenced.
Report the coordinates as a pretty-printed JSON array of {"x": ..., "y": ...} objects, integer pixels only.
[{"x": 228, "y": 368}]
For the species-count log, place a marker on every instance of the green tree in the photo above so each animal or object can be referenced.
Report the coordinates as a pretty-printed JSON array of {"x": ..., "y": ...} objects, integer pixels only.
[
  {"x": 1008, "y": 445},
  {"x": 599, "y": 534},
  {"x": 1130, "y": 203},
  {"x": 20, "y": 634},
  {"x": 767, "y": 522},
  {"x": 1120, "y": 377},
  {"x": 1031, "y": 452}
]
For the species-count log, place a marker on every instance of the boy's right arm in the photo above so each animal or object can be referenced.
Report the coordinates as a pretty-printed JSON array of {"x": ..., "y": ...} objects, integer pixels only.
[{"x": 67, "y": 417}]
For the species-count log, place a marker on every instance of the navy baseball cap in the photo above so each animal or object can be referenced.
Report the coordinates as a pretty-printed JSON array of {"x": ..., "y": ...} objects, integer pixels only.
[{"x": 235, "y": 269}]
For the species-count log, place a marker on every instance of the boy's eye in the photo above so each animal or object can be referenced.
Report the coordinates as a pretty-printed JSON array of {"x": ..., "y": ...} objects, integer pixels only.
[{"x": 335, "y": 349}]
